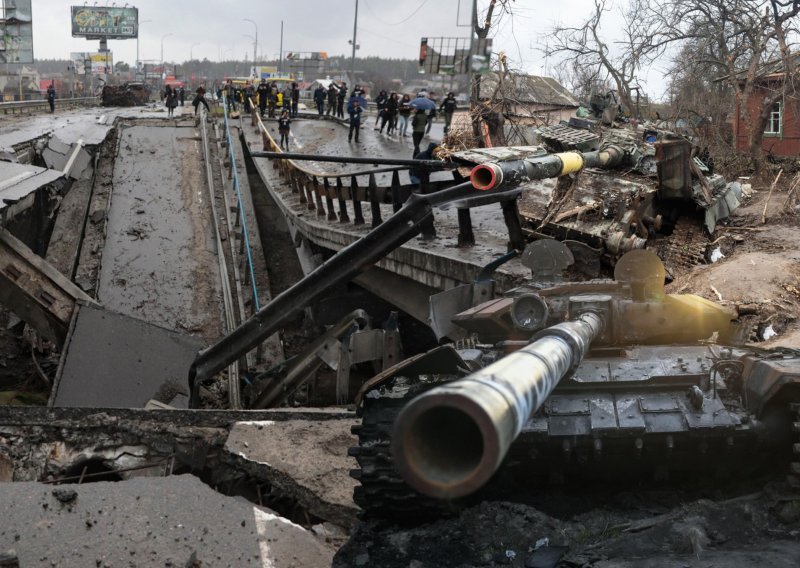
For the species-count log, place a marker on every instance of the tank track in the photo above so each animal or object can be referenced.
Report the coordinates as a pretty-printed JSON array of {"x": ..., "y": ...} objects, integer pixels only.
[
  {"x": 794, "y": 473},
  {"x": 383, "y": 493},
  {"x": 684, "y": 249}
]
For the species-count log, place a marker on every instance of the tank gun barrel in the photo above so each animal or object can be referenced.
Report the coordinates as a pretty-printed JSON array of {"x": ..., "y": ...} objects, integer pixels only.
[
  {"x": 494, "y": 175},
  {"x": 450, "y": 440}
]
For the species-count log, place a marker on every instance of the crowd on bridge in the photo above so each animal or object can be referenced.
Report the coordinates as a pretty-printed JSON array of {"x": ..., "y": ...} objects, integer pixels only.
[{"x": 396, "y": 114}]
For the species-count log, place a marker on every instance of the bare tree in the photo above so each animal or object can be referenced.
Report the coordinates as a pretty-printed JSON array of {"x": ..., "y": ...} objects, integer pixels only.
[
  {"x": 483, "y": 114},
  {"x": 743, "y": 41},
  {"x": 586, "y": 49}
]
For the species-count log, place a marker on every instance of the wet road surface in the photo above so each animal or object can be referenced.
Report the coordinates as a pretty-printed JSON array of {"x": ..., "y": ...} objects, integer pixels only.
[{"x": 159, "y": 262}]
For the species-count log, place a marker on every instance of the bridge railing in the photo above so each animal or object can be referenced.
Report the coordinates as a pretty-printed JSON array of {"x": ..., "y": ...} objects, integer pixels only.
[
  {"x": 14, "y": 107},
  {"x": 328, "y": 193}
]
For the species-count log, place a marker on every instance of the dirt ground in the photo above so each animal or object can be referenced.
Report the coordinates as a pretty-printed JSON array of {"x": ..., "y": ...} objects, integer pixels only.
[{"x": 760, "y": 271}]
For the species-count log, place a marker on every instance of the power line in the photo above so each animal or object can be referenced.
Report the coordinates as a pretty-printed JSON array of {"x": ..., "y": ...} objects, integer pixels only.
[{"x": 403, "y": 21}]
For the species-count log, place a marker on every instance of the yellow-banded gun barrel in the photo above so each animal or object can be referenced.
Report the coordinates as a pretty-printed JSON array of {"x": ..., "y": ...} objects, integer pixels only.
[
  {"x": 450, "y": 440},
  {"x": 495, "y": 175}
]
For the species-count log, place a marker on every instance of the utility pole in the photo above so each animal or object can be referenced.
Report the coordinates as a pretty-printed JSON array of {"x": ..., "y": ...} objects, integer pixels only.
[
  {"x": 353, "y": 59},
  {"x": 280, "y": 54}
]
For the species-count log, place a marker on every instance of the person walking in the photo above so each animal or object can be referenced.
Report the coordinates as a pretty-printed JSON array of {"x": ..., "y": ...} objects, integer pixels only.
[
  {"x": 284, "y": 128},
  {"x": 171, "y": 101},
  {"x": 230, "y": 94},
  {"x": 319, "y": 98},
  {"x": 432, "y": 114},
  {"x": 295, "y": 99},
  {"x": 287, "y": 97},
  {"x": 418, "y": 124},
  {"x": 273, "y": 101},
  {"x": 332, "y": 92},
  {"x": 404, "y": 114},
  {"x": 340, "y": 97},
  {"x": 421, "y": 177},
  {"x": 263, "y": 97},
  {"x": 354, "y": 110},
  {"x": 182, "y": 94},
  {"x": 51, "y": 97},
  {"x": 389, "y": 112},
  {"x": 379, "y": 103},
  {"x": 200, "y": 98},
  {"x": 448, "y": 107}
]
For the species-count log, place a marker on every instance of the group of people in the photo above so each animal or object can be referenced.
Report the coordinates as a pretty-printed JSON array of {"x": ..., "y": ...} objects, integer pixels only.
[
  {"x": 397, "y": 113},
  {"x": 172, "y": 97},
  {"x": 267, "y": 96},
  {"x": 334, "y": 97}
]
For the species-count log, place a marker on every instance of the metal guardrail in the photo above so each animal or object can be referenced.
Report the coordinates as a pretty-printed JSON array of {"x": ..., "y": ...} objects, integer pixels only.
[
  {"x": 13, "y": 107},
  {"x": 313, "y": 186},
  {"x": 240, "y": 205}
]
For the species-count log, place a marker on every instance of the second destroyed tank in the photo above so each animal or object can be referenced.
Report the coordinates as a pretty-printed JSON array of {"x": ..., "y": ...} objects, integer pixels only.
[{"x": 555, "y": 382}]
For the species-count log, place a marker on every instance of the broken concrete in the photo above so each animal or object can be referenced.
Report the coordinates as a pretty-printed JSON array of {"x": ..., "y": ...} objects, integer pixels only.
[
  {"x": 112, "y": 361},
  {"x": 304, "y": 459},
  {"x": 173, "y": 521}
]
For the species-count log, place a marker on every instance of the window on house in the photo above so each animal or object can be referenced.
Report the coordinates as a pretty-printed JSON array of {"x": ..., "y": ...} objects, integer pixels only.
[{"x": 774, "y": 121}]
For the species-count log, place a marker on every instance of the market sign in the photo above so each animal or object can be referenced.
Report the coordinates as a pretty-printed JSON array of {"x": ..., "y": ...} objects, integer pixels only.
[{"x": 105, "y": 22}]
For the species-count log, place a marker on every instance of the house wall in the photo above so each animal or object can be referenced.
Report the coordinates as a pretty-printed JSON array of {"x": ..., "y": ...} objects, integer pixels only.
[{"x": 787, "y": 143}]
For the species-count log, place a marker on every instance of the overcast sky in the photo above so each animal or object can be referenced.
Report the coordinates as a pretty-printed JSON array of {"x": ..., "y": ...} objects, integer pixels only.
[{"x": 389, "y": 28}]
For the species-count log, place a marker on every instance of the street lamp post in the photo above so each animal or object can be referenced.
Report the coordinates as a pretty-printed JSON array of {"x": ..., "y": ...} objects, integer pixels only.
[
  {"x": 191, "y": 50},
  {"x": 163, "y": 71},
  {"x": 138, "y": 33},
  {"x": 245, "y": 53},
  {"x": 162, "y": 47},
  {"x": 255, "y": 41}
]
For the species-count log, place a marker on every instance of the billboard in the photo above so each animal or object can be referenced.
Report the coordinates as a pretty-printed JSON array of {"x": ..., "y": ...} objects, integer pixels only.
[
  {"x": 454, "y": 55},
  {"x": 16, "y": 31},
  {"x": 102, "y": 63},
  {"x": 105, "y": 22},
  {"x": 98, "y": 63},
  {"x": 307, "y": 55}
]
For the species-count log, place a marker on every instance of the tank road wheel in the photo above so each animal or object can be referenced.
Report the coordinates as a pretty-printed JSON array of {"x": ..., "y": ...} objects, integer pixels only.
[{"x": 794, "y": 475}]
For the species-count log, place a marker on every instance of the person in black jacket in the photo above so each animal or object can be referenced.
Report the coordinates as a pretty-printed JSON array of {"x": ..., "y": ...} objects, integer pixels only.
[
  {"x": 340, "y": 97},
  {"x": 51, "y": 97},
  {"x": 200, "y": 98},
  {"x": 448, "y": 108},
  {"x": 284, "y": 127},
  {"x": 319, "y": 98},
  {"x": 354, "y": 110},
  {"x": 295, "y": 99},
  {"x": 379, "y": 103},
  {"x": 389, "y": 113},
  {"x": 421, "y": 178},
  {"x": 263, "y": 96},
  {"x": 332, "y": 93}
]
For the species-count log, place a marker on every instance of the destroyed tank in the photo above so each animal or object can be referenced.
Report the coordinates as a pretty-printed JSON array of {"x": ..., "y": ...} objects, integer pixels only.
[
  {"x": 652, "y": 191},
  {"x": 556, "y": 382}
]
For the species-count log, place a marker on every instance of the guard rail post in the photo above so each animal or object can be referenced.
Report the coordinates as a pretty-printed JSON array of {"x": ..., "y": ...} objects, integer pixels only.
[
  {"x": 375, "y": 205},
  {"x": 326, "y": 186},
  {"x": 357, "y": 211},
  {"x": 344, "y": 217}
]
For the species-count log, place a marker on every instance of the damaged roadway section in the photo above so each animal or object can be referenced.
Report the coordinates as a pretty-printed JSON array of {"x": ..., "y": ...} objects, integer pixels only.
[
  {"x": 175, "y": 521},
  {"x": 304, "y": 459}
]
